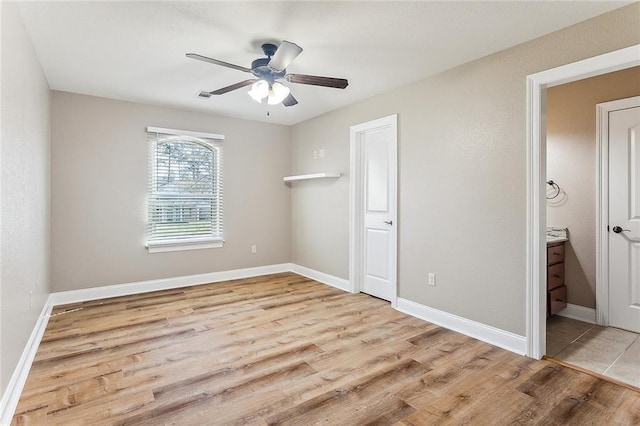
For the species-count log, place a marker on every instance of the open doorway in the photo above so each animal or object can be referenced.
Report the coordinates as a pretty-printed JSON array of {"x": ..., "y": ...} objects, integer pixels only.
[
  {"x": 574, "y": 334},
  {"x": 536, "y": 280}
]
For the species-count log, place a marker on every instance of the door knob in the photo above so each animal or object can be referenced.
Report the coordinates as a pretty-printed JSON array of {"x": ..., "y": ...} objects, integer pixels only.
[
  {"x": 618, "y": 229},
  {"x": 388, "y": 222}
]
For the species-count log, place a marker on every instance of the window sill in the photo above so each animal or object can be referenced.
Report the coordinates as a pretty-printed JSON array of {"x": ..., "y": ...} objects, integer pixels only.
[{"x": 181, "y": 245}]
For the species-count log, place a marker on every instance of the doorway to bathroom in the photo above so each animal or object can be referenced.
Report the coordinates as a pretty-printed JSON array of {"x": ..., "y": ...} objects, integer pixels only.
[
  {"x": 577, "y": 291},
  {"x": 536, "y": 255}
]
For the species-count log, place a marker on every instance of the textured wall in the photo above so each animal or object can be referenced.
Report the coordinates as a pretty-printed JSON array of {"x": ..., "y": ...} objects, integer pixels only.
[
  {"x": 99, "y": 184},
  {"x": 571, "y": 161},
  {"x": 24, "y": 190},
  {"x": 462, "y": 189}
]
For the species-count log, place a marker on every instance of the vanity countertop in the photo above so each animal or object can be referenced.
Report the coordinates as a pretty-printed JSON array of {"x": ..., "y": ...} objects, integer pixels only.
[
  {"x": 554, "y": 240},
  {"x": 556, "y": 235}
]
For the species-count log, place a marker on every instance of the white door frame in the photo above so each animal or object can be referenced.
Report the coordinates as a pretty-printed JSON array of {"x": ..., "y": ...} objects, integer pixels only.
[
  {"x": 602, "y": 213},
  {"x": 536, "y": 175},
  {"x": 356, "y": 202}
]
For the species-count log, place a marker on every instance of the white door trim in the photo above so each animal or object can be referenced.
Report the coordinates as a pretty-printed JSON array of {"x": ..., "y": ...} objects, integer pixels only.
[
  {"x": 356, "y": 202},
  {"x": 536, "y": 175},
  {"x": 602, "y": 212}
]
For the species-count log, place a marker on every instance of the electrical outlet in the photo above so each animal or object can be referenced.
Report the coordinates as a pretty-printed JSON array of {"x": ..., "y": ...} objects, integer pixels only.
[
  {"x": 254, "y": 249},
  {"x": 321, "y": 153},
  {"x": 432, "y": 279},
  {"x": 315, "y": 154}
]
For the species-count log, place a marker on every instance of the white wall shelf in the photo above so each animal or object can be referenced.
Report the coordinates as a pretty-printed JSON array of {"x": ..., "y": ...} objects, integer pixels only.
[{"x": 311, "y": 176}]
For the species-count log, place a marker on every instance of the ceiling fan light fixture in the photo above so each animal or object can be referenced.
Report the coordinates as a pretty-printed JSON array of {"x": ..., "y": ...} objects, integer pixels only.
[
  {"x": 278, "y": 93},
  {"x": 259, "y": 90}
]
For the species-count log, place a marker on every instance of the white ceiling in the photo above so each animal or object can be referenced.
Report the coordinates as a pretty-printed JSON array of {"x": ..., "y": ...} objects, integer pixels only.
[{"x": 135, "y": 51}]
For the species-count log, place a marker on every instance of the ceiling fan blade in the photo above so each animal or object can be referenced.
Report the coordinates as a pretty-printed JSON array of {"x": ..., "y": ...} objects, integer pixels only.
[
  {"x": 228, "y": 88},
  {"x": 285, "y": 54},
  {"x": 337, "y": 83},
  {"x": 289, "y": 101},
  {"x": 217, "y": 62}
]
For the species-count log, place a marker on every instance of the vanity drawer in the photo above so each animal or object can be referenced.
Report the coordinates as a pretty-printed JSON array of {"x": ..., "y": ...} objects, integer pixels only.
[
  {"x": 556, "y": 300},
  {"x": 555, "y": 254},
  {"x": 555, "y": 276}
]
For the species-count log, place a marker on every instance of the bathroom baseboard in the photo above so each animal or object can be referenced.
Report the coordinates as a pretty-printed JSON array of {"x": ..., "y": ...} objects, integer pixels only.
[{"x": 579, "y": 313}]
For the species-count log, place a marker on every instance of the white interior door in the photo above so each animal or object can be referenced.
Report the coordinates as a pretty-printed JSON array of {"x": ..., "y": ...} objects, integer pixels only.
[
  {"x": 376, "y": 222},
  {"x": 624, "y": 218}
]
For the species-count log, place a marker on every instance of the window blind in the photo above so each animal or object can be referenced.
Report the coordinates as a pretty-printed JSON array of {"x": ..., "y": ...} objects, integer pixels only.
[{"x": 185, "y": 195}]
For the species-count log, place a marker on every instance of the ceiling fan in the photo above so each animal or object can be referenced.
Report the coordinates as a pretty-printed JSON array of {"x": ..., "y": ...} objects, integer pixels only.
[{"x": 267, "y": 71}]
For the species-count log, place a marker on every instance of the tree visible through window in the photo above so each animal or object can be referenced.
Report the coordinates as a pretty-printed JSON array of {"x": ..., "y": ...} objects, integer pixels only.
[{"x": 185, "y": 191}]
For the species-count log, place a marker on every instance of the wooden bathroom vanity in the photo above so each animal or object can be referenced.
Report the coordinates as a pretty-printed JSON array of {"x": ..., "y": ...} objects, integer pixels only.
[{"x": 556, "y": 289}]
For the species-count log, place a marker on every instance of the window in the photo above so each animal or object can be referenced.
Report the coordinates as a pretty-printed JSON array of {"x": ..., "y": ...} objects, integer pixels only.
[{"x": 185, "y": 190}]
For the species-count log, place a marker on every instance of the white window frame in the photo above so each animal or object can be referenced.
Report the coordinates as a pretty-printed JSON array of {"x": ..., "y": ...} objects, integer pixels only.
[{"x": 193, "y": 243}]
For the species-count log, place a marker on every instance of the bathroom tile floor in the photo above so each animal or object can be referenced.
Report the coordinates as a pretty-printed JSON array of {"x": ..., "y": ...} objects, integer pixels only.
[{"x": 605, "y": 350}]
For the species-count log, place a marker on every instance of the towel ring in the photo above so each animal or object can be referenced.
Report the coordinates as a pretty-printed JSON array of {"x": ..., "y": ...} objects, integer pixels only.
[{"x": 554, "y": 186}]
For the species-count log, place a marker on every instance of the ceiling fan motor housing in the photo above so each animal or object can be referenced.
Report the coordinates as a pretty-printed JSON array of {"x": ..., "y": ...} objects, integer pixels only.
[{"x": 260, "y": 68}]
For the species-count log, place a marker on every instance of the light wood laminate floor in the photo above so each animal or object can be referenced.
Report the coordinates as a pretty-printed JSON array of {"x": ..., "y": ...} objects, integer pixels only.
[{"x": 283, "y": 349}]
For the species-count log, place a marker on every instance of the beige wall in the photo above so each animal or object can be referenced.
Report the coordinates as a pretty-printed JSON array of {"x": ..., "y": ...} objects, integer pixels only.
[
  {"x": 24, "y": 190},
  {"x": 571, "y": 162},
  {"x": 462, "y": 175},
  {"x": 99, "y": 183},
  {"x": 320, "y": 208}
]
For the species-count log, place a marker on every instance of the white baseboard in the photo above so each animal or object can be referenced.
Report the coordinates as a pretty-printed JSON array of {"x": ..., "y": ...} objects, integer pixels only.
[
  {"x": 95, "y": 293},
  {"x": 495, "y": 336},
  {"x": 579, "y": 313},
  {"x": 331, "y": 280},
  {"x": 12, "y": 393}
]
